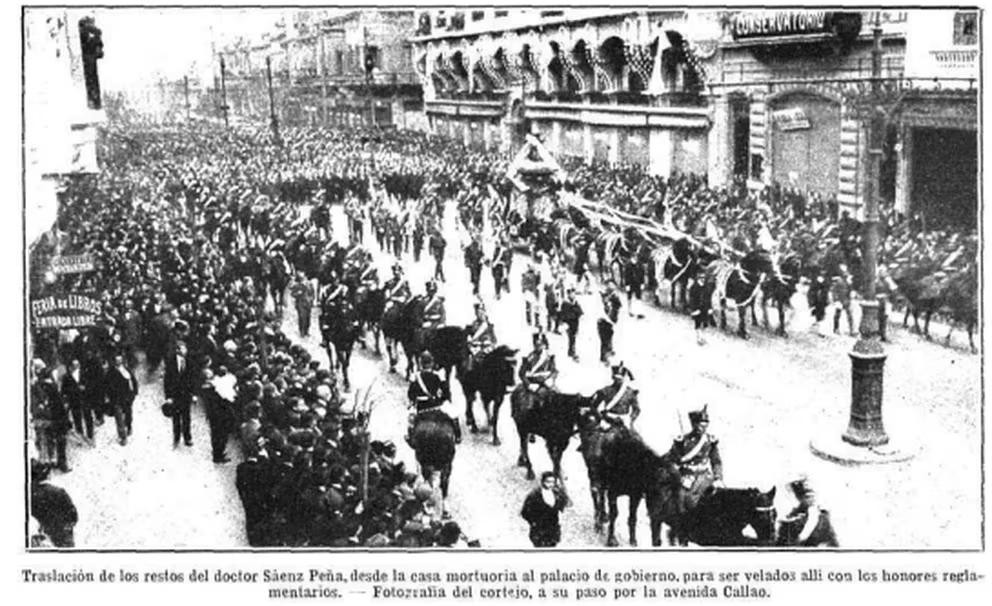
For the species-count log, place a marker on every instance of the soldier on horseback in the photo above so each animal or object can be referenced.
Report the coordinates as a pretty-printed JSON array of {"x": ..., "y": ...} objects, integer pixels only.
[
  {"x": 695, "y": 458},
  {"x": 434, "y": 314},
  {"x": 368, "y": 278},
  {"x": 481, "y": 336},
  {"x": 429, "y": 391},
  {"x": 538, "y": 370},
  {"x": 812, "y": 522},
  {"x": 616, "y": 403},
  {"x": 397, "y": 289}
]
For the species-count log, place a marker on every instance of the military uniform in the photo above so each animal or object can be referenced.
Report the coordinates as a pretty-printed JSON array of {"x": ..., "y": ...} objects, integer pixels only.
[
  {"x": 607, "y": 324},
  {"x": 434, "y": 314},
  {"x": 696, "y": 458},
  {"x": 397, "y": 290},
  {"x": 368, "y": 278},
  {"x": 481, "y": 340},
  {"x": 617, "y": 404},
  {"x": 303, "y": 295},
  {"x": 530, "y": 285},
  {"x": 428, "y": 391},
  {"x": 538, "y": 370}
]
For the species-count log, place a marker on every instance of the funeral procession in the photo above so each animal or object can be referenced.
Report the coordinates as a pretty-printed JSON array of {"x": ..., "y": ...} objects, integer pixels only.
[{"x": 501, "y": 278}]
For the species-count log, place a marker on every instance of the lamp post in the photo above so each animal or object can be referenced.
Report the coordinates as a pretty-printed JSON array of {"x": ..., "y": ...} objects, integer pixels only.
[
  {"x": 369, "y": 66},
  {"x": 865, "y": 440},
  {"x": 186, "y": 94},
  {"x": 223, "y": 91},
  {"x": 274, "y": 121}
]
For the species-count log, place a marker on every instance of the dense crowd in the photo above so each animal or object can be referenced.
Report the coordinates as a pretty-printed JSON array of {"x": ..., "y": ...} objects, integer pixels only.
[{"x": 191, "y": 224}]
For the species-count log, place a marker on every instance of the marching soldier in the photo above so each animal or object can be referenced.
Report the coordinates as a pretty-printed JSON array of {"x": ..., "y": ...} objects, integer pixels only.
[
  {"x": 617, "y": 403},
  {"x": 608, "y": 322},
  {"x": 696, "y": 460},
  {"x": 538, "y": 370},
  {"x": 397, "y": 288},
  {"x": 481, "y": 336},
  {"x": 530, "y": 285},
  {"x": 473, "y": 261},
  {"x": 437, "y": 245},
  {"x": 303, "y": 295},
  {"x": 429, "y": 391}
]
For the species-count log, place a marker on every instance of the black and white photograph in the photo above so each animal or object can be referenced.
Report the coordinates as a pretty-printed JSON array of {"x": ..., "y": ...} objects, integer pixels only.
[{"x": 501, "y": 278}]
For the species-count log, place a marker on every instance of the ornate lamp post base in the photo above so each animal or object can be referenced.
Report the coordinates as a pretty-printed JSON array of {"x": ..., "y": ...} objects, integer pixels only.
[{"x": 865, "y": 440}]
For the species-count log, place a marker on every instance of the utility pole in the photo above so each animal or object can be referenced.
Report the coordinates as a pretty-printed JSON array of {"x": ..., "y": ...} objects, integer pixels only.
[
  {"x": 186, "y": 94},
  {"x": 223, "y": 91},
  {"x": 272, "y": 103},
  {"x": 368, "y": 73},
  {"x": 323, "y": 81}
]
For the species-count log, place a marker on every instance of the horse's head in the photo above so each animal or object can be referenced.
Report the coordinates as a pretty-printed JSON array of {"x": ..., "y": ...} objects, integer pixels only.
[
  {"x": 763, "y": 515},
  {"x": 501, "y": 364}
]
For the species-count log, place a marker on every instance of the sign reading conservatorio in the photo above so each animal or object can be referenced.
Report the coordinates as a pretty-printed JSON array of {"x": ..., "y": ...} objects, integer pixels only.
[
  {"x": 844, "y": 26},
  {"x": 779, "y": 23},
  {"x": 65, "y": 311}
]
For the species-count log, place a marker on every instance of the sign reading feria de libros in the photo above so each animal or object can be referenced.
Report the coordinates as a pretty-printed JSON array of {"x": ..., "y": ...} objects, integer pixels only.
[{"x": 65, "y": 311}]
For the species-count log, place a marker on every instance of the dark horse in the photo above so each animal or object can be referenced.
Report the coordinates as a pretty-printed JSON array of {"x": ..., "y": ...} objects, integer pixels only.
[
  {"x": 778, "y": 283},
  {"x": 449, "y": 346},
  {"x": 339, "y": 329},
  {"x": 723, "y": 514},
  {"x": 742, "y": 287},
  {"x": 276, "y": 275},
  {"x": 399, "y": 324},
  {"x": 370, "y": 304},
  {"x": 550, "y": 414},
  {"x": 433, "y": 441},
  {"x": 490, "y": 377},
  {"x": 620, "y": 464}
]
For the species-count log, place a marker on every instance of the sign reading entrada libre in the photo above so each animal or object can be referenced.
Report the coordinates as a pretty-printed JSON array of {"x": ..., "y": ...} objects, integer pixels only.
[{"x": 65, "y": 311}]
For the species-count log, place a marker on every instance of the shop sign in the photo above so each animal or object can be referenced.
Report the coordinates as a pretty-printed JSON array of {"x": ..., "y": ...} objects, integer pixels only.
[
  {"x": 65, "y": 311},
  {"x": 793, "y": 118},
  {"x": 73, "y": 264},
  {"x": 778, "y": 23}
]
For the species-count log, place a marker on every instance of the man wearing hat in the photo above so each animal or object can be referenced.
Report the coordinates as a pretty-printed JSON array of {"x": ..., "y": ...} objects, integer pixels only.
[
  {"x": 481, "y": 336},
  {"x": 303, "y": 296},
  {"x": 606, "y": 326},
  {"x": 473, "y": 261},
  {"x": 179, "y": 383},
  {"x": 538, "y": 370},
  {"x": 434, "y": 315},
  {"x": 617, "y": 403},
  {"x": 570, "y": 312},
  {"x": 807, "y": 525},
  {"x": 397, "y": 289},
  {"x": 428, "y": 391},
  {"x": 530, "y": 285},
  {"x": 696, "y": 460}
]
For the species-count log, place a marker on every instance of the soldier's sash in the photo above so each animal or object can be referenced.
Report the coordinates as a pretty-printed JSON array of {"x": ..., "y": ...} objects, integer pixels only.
[
  {"x": 616, "y": 398},
  {"x": 692, "y": 454}
]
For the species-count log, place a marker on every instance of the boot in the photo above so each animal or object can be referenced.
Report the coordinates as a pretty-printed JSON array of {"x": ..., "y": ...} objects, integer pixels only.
[{"x": 458, "y": 431}]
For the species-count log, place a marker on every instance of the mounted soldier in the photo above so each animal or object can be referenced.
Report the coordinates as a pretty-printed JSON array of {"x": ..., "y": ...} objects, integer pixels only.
[
  {"x": 481, "y": 336},
  {"x": 434, "y": 315},
  {"x": 617, "y": 403},
  {"x": 807, "y": 525},
  {"x": 695, "y": 458},
  {"x": 397, "y": 289},
  {"x": 538, "y": 370},
  {"x": 429, "y": 391}
]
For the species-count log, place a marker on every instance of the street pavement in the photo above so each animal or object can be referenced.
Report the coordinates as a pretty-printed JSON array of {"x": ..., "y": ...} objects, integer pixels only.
[{"x": 767, "y": 397}]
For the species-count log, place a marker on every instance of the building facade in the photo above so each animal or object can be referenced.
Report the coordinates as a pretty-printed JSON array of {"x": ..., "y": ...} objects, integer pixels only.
[
  {"x": 791, "y": 95},
  {"x": 340, "y": 68},
  {"x": 61, "y": 114},
  {"x": 596, "y": 84}
]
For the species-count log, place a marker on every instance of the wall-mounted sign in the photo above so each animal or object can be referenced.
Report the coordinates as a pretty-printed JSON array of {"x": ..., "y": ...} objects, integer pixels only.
[
  {"x": 767, "y": 24},
  {"x": 65, "y": 311},
  {"x": 792, "y": 118},
  {"x": 73, "y": 264}
]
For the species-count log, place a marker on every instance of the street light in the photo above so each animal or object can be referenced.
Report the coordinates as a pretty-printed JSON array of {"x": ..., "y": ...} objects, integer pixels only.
[{"x": 865, "y": 440}]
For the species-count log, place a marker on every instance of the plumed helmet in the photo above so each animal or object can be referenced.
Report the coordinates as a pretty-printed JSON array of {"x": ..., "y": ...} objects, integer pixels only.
[{"x": 622, "y": 372}]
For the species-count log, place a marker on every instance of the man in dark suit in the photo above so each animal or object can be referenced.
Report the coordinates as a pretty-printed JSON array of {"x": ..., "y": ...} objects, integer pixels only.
[
  {"x": 254, "y": 480},
  {"x": 121, "y": 388},
  {"x": 179, "y": 384},
  {"x": 74, "y": 394}
]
